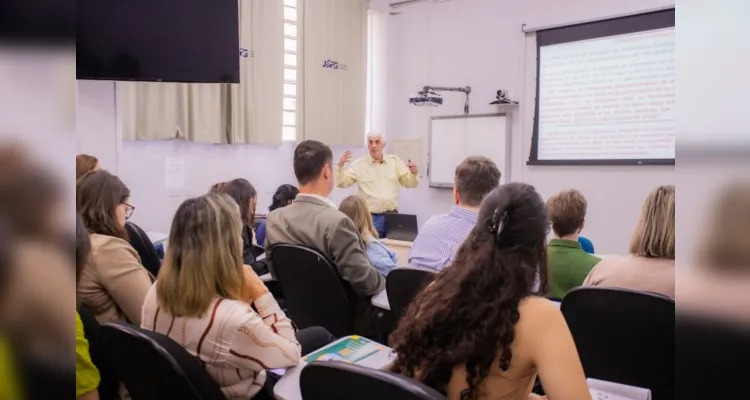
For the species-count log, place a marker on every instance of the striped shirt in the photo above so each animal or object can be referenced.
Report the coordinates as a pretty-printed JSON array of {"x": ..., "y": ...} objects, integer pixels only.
[
  {"x": 234, "y": 343},
  {"x": 440, "y": 237}
]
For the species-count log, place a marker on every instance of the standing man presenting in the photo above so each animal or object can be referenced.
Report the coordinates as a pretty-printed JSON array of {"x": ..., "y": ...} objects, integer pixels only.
[{"x": 377, "y": 176}]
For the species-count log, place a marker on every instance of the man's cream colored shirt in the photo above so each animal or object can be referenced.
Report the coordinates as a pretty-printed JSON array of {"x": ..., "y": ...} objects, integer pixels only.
[{"x": 377, "y": 182}]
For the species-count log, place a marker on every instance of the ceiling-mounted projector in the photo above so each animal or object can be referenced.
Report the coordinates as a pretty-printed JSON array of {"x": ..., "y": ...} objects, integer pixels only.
[
  {"x": 426, "y": 99},
  {"x": 429, "y": 96}
]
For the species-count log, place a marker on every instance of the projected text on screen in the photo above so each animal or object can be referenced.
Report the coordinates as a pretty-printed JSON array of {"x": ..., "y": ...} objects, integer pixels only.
[{"x": 608, "y": 98}]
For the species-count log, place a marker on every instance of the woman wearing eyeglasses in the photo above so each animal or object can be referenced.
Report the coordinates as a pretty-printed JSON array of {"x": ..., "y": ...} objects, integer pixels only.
[{"x": 113, "y": 284}]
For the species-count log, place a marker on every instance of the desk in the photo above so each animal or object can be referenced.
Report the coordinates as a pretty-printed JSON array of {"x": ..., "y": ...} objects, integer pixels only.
[
  {"x": 157, "y": 237},
  {"x": 380, "y": 300},
  {"x": 401, "y": 248},
  {"x": 287, "y": 388}
]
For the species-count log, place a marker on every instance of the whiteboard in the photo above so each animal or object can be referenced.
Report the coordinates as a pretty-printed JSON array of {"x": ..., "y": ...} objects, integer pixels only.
[{"x": 453, "y": 138}]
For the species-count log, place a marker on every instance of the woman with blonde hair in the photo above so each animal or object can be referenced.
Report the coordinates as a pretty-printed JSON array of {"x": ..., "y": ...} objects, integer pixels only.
[
  {"x": 202, "y": 300},
  {"x": 650, "y": 265},
  {"x": 381, "y": 257}
]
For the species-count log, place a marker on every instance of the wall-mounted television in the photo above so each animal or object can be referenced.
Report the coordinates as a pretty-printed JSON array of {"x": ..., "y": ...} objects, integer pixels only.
[{"x": 158, "y": 40}]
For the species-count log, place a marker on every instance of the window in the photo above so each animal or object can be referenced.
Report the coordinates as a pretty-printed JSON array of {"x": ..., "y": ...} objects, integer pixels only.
[{"x": 289, "y": 114}]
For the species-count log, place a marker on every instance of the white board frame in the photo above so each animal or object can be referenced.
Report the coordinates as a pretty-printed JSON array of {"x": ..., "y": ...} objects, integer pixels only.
[{"x": 506, "y": 168}]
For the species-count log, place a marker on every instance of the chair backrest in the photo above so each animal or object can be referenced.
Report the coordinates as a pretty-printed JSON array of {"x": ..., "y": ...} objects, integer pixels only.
[
  {"x": 624, "y": 336},
  {"x": 144, "y": 247},
  {"x": 153, "y": 367},
  {"x": 108, "y": 385},
  {"x": 709, "y": 352},
  {"x": 314, "y": 292},
  {"x": 257, "y": 250},
  {"x": 402, "y": 286},
  {"x": 334, "y": 380}
]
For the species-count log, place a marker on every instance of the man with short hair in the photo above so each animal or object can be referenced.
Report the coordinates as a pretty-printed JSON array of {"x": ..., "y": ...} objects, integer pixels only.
[
  {"x": 377, "y": 176},
  {"x": 442, "y": 235},
  {"x": 314, "y": 221},
  {"x": 567, "y": 263}
]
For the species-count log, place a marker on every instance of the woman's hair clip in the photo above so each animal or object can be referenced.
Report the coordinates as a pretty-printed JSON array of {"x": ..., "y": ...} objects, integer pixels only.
[{"x": 498, "y": 220}]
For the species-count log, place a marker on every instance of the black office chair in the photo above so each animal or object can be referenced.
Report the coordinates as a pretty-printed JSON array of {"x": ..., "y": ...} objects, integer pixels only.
[
  {"x": 314, "y": 292},
  {"x": 335, "y": 380},
  {"x": 109, "y": 382},
  {"x": 257, "y": 251},
  {"x": 624, "y": 336},
  {"x": 153, "y": 367},
  {"x": 711, "y": 357},
  {"x": 403, "y": 284},
  {"x": 144, "y": 247}
]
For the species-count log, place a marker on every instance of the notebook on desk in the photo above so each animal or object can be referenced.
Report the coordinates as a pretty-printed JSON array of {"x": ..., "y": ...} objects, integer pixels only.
[
  {"x": 603, "y": 390},
  {"x": 352, "y": 349}
]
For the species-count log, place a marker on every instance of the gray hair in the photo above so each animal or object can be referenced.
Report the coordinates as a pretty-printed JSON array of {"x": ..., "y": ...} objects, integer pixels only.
[{"x": 376, "y": 134}]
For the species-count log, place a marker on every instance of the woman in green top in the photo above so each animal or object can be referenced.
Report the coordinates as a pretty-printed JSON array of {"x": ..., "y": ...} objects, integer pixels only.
[{"x": 87, "y": 376}]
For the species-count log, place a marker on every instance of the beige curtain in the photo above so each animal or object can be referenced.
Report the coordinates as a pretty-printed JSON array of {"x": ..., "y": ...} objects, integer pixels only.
[
  {"x": 162, "y": 111},
  {"x": 255, "y": 114},
  {"x": 248, "y": 112},
  {"x": 332, "y": 88}
]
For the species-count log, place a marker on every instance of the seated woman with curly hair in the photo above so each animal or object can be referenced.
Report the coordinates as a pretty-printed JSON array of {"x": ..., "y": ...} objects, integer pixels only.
[{"x": 480, "y": 331}]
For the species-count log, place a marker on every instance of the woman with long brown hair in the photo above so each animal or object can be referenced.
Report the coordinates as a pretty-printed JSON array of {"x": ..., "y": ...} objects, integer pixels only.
[
  {"x": 480, "y": 330},
  {"x": 246, "y": 197},
  {"x": 114, "y": 283}
]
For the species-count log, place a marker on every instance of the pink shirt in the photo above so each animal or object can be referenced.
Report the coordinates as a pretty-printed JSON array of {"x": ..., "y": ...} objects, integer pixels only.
[
  {"x": 236, "y": 344},
  {"x": 634, "y": 272}
]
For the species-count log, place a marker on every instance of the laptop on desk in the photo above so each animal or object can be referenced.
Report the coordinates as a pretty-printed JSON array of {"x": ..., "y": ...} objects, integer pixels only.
[{"x": 401, "y": 227}]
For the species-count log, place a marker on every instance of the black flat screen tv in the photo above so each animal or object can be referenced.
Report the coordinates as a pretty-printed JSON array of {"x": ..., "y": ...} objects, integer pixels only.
[{"x": 194, "y": 41}]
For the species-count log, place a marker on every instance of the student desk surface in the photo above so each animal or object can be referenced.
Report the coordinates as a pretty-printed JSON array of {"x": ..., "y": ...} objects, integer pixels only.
[
  {"x": 287, "y": 388},
  {"x": 157, "y": 237}
]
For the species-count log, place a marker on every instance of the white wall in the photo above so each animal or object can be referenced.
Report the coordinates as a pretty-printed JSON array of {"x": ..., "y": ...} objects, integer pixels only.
[
  {"x": 453, "y": 43},
  {"x": 141, "y": 164},
  {"x": 96, "y": 122},
  {"x": 479, "y": 43}
]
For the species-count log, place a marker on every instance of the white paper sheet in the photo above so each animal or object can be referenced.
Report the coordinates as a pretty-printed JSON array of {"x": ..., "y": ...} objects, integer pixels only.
[{"x": 603, "y": 390}]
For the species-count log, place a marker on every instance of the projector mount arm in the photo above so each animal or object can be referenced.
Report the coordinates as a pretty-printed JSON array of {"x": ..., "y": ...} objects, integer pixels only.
[{"x": 432, "y": 89}]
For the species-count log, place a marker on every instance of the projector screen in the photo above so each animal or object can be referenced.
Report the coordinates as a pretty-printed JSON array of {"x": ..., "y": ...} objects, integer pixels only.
[{"x": 606, "y": 92}]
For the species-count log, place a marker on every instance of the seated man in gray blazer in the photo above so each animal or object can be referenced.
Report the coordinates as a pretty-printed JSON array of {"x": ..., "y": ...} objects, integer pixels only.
[{"x": 314, "y": 221}]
